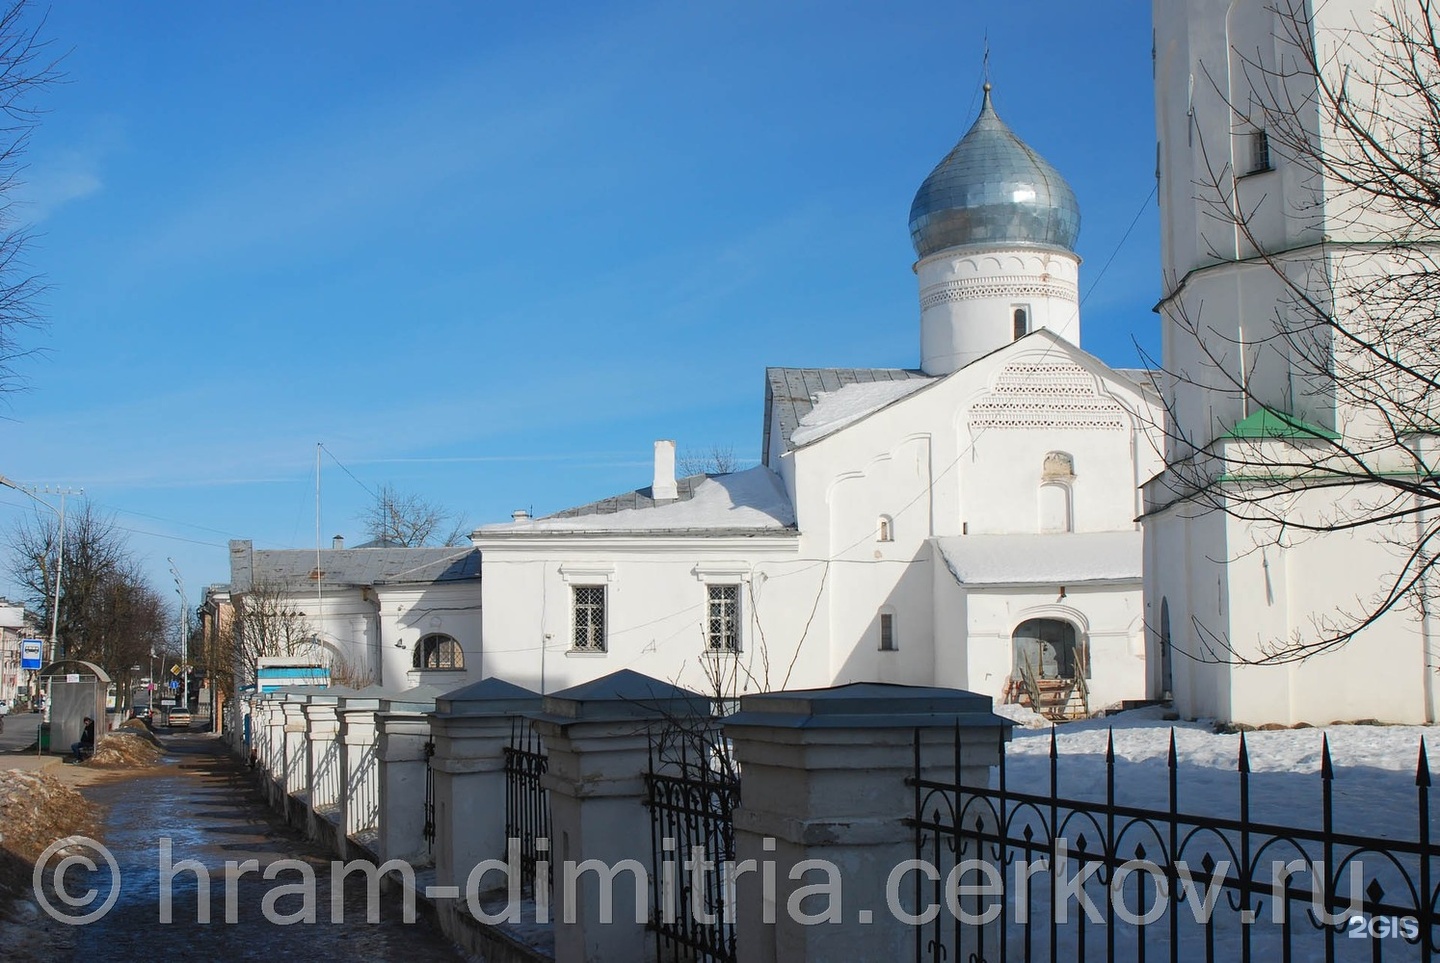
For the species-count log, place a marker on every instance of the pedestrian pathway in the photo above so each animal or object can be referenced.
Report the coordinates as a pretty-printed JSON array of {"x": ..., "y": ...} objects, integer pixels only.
[{"x": 205, "y": 805}]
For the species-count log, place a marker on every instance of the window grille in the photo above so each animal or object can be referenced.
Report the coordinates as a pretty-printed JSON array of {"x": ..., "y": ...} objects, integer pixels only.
[
  {"x": 589, "y": 618},
  {"x": 1259, "y": 151},
  {"x": 439, "y": 652},
  {"x": 1022, "y": 323},
  {"x": 723, "y": 630},
  {"x": 887, "y": 632}
]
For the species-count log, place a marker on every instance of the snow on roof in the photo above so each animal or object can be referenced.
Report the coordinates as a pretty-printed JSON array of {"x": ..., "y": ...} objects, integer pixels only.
[
  {"x": 754, "y": 499},
  {"x": 844, "y": 406},
  {"x": 1019, "y": 559}
]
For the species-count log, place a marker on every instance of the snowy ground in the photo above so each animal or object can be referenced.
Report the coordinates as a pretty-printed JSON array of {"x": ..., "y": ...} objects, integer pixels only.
[{"x": 1374, "y": 795}]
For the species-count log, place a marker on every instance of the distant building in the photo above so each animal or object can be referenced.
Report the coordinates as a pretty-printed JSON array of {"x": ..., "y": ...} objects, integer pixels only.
[
  {"x": 395, "y": 617},
  {"x": 970, "y": 522},
  {"x": 16, "y": 623}
]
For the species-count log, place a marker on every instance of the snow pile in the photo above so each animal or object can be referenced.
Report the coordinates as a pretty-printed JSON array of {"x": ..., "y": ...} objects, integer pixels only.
[
  {"x": 125, "y": 750},
  {"x": 1374, "y": 785},
  {"x": 1023, "y": 716},
  {"x": 35, "y": 810},
  {"x": 836, "y": 409},
  {"x": 753, "y": 499}
]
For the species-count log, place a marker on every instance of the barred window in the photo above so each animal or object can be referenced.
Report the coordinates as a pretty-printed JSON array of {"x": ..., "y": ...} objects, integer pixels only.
[
  {"x": 589, "y": 618},
  {"x": 723, "y": 628},
  {"x": 1259, "y": 151},
  {"x": 1021, "y": 319},
  {"x": 887, "y": 632},
  {"x": 439, "y": 652}
]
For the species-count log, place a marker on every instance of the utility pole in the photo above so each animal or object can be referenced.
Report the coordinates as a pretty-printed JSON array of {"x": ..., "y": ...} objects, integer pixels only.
[{"x": 184, "y": 637}]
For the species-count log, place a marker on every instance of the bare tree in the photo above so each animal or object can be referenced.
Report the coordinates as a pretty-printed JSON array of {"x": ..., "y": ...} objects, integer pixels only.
[
  {"x": 1343, "y": 373},
  {"x": 719, "y": 460},
  {"x": 108, "y": 614},
  {"x": 406, "y": 520},
  {"x": 266, "y": 624},
  {"x": 26, "y": 65}
]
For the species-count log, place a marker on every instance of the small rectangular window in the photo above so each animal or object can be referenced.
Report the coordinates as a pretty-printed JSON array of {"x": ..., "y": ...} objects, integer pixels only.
[
  {"x": 1021, "y": 318},
  {"x": 589, "y": 608},
  {"x": 722, "y": 632},
  {"x": 1259, "y": 152},
  {"x": 887, "y": 632}
]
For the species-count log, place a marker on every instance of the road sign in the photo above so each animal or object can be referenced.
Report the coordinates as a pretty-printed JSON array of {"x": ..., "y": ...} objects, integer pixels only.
[
  {"x": 173, "y": 684},
  {"x": 30, "y": 653}
]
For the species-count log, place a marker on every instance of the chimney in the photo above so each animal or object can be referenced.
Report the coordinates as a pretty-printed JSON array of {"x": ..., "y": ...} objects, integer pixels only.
[
  {"x": 338, "y": 541},
  {"x": 663, "y": 488},
  {"x": 520, "y": 515}
]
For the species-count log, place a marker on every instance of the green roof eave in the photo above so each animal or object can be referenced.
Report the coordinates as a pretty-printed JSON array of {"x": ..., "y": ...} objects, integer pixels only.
[{"x": 1269, "y": 423}]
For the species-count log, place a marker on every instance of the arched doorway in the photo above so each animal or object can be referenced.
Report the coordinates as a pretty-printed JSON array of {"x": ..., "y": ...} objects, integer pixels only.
[{"x": 1046, "y": 649}]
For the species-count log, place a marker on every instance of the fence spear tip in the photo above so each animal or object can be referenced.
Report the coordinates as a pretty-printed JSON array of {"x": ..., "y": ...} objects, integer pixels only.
[
  {"x": 1422, "y": 766},
  {"x": 1110, "y": 745},
  {"x": 1172, "y": 756},
  {"x": 1244, "y": 763},
  {"x": 1327, "y": 768}
]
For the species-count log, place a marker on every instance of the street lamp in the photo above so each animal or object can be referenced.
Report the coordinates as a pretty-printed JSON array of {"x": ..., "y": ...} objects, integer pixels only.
[
  {"x": 60, "y": 553},
  {"x": 184, "y": 637}
]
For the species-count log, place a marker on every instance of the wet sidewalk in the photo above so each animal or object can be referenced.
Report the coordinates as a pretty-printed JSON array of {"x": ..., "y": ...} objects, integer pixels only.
[{"x": 205, "y": 805}]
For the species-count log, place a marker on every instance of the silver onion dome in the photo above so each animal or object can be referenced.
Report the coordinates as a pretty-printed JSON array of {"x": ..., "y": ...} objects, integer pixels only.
[{"x": 993, "y": 189}]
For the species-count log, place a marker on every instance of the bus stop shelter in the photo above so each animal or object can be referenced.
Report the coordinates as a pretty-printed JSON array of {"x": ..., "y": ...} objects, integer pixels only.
[{"x": 73, "y": 690}]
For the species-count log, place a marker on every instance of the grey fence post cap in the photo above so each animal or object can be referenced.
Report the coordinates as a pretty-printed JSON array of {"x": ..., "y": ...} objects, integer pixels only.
[
  {"x": 621, "y": 695},
  {"x": 867, "y": 705},
  {"x": 488, "y": 697}
]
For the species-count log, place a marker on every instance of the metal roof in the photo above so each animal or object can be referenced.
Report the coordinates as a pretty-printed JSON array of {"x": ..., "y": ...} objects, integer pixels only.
[
  {"x": 640, "y": 498},
  {"x": 295, "y": 569},
  {"x": 993, "y": 189},
  {"x": 790, "y": 393}
]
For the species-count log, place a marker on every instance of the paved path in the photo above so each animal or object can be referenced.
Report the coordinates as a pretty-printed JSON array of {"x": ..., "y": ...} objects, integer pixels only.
[{"x": 206, "y": 806}]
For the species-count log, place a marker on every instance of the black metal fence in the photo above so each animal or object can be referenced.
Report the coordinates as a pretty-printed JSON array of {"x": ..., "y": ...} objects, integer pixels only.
[
  {"x": 527, "y": 804},
  {"x": 429, "y": 828},
  {"x": 1045, "y": 877},
  {"x": 692, "y": 788}
]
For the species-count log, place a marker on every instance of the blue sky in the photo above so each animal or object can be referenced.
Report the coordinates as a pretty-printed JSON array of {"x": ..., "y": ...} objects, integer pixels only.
[{"x": 490, "y": 252}]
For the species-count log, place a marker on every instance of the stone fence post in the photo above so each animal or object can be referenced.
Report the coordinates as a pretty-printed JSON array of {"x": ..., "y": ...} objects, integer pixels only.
[
  {"x": 323, "y": 765},
  {"x": 823, "y": 777},
  {"x": 297, "y": 754},
  {"x": 360, "y": 795},
  {"x": 471, "y": 728},
  {"x": 598, "y": 738},
  {"x": 401, "y": 738}
]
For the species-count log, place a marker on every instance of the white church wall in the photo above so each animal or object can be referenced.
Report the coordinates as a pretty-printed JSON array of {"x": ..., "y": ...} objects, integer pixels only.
[
  {"x": 411, "y": 612},
  {"x": 1107, "y": 620},
  {"x": 969, "y": 295},
  {"x": 344, "y": 621},
  {"x": 877, "y": 535},
  {"x": 656, "y": 601}
]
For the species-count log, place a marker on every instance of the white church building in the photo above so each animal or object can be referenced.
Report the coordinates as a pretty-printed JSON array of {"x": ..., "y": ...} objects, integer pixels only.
[
  {"x": 1226, "y": 592},
  {"x": 970, "y": 522}
]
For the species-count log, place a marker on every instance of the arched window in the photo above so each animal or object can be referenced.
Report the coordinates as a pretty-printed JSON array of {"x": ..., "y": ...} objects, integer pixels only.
[
  {"x": 1048, "y": 649},
  {"x": 1057, "y": 474},
  {"x": 439, "y": 652},
  {"x": 885, "y": 529},
  {"x": 1021, "y": 318}
]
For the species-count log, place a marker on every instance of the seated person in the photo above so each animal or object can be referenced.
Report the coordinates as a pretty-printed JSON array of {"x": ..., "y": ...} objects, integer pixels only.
[{"x": 86, "y": 745}]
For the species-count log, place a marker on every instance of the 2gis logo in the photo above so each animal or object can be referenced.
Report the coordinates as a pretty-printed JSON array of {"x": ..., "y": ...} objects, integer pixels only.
[{"x": 1363, "y": 927}]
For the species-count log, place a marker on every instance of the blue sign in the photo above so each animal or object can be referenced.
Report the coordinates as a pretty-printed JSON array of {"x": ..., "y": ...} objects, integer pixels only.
[
  {"x": 30, "y": 653},
  {"x": 172, "y": 684}
]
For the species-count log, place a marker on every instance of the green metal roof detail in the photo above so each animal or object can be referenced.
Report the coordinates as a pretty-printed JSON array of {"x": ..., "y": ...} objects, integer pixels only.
[{"x": 1269, "y": 423}]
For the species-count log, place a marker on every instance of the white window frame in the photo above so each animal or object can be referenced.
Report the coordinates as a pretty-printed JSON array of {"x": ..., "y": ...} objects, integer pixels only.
[
  {"x": 582, "y": 619},
  {"x": 716, "y": 639}
]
